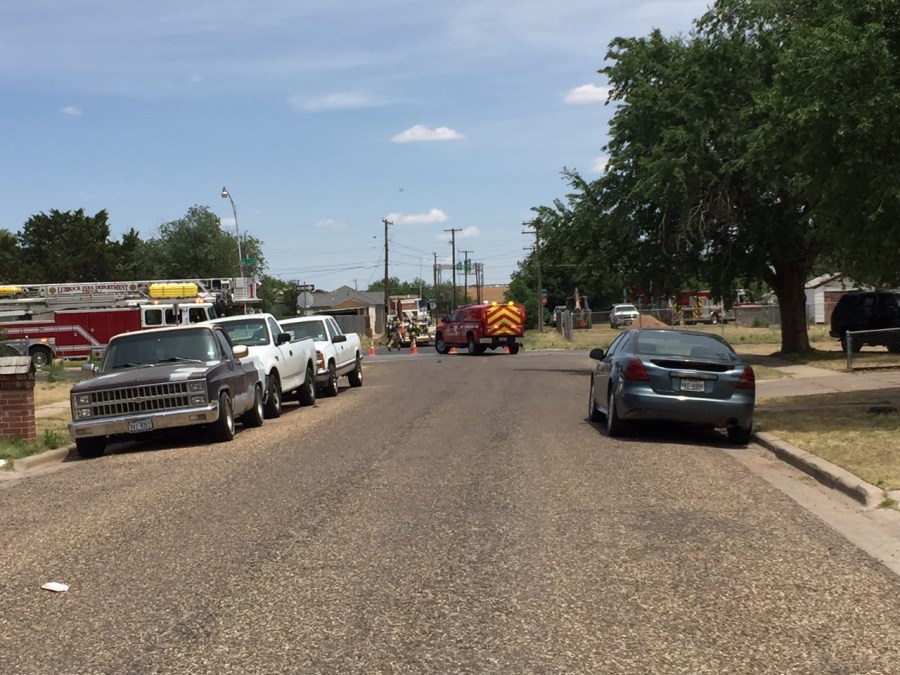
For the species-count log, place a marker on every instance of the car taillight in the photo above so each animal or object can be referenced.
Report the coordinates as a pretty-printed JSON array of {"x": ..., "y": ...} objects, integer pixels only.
[
  {"x": 635, "y": 371},
  {"x": 748, "y": 379}
]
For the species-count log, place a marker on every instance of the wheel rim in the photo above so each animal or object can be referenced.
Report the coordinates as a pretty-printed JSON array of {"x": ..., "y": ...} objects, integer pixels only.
[
  {"x": 229, "y": 416},
  {"x": 358, "y": 370},
  {"x": 259, "y": 403}
]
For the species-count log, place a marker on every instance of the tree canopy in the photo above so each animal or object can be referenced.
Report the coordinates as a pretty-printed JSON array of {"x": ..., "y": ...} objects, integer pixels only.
[{"x": 741, "y": 154}]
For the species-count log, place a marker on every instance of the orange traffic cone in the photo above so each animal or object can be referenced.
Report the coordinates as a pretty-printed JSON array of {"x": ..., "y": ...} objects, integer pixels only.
[
  {"x": 414, "y": 349},
  {"x": 452, "y": 350},
  {"x": 371, "y": 349},
  {"x": 506, "y": 349}
]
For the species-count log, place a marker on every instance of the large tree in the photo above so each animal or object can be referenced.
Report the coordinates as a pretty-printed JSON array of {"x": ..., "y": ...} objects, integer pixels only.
[
  {"x": 195, "y": 246},
  {"x": 65, "y": 246}
]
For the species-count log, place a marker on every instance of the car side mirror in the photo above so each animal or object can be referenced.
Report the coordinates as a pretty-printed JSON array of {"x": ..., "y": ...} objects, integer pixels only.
[
  {"x": 339, "y": 338},
  {"x": 284, "y": 337},
  {"x": 90, "y": 369},
  {"x": 597, "y": 354},
  {"x": 240, "y": 351}
]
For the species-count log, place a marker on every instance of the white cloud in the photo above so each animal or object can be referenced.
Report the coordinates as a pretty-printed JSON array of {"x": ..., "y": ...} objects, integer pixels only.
[
  {"x": 587, "y": 93},
  {"x": 71, "y": 110},
  {"x": 422, "y": 133},
  {"x": 433, "y": 216},
  {"x": 600, "y": 164},
  {"x": 330, "y": 224},
  {"x": 348, "y": 100}
]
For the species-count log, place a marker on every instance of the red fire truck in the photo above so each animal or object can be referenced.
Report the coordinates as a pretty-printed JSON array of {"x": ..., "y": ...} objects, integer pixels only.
[
  {"x": 481, "y": 327},
  {"x": 77, "y": 320}
]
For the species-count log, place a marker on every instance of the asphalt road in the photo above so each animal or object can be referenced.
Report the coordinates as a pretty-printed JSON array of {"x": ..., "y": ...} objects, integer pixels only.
[{"x": 455, "y": 514}]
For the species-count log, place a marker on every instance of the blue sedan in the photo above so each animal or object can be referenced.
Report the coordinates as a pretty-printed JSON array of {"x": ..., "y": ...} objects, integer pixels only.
[{"x": 672, "y": 376}]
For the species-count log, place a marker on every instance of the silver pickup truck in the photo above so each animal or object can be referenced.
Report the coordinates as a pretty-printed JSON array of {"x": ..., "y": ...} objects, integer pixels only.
[
  {"x": 290, "y": 365},
  {"x": 160, "y": 379}
]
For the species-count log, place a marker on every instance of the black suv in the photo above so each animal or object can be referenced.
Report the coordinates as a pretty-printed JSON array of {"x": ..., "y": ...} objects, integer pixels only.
[{"x": 869, "y": 311}]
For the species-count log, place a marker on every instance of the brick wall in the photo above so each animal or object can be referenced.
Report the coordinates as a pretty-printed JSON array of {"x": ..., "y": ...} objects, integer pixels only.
[{"x": 17, "y": 399}]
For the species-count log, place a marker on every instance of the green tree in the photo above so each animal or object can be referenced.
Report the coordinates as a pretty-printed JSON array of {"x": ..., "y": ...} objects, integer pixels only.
[
  {"x": 10, "y": 258},
  {"x": 195, "y": 246},
  {"x": 66, "y": 246}
]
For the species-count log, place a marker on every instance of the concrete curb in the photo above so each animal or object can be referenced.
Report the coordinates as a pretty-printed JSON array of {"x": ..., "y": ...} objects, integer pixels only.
[
  {"x": 44, "y": 458},
  {"x": 825, "y": 472}
]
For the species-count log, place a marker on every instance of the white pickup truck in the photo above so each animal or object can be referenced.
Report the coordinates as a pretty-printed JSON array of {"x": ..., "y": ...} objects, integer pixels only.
[
  {"x": 337, "y": 353},
  {"x": 290, "y": 365}
]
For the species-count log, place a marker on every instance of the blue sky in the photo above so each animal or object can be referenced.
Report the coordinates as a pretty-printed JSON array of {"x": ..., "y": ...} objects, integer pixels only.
[{"x": 321, "y": 118}]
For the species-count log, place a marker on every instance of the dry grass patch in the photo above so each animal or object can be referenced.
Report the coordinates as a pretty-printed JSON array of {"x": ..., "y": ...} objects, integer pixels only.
[{"x": 839, "y": 429}]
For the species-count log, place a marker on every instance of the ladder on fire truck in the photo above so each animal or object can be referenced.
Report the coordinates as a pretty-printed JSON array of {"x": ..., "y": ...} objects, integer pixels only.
[{"x": 16, "y": 299}]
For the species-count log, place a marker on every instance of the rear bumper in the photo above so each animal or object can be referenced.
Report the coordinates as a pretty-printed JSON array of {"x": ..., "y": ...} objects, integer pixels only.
[
  {"x": 118, "y": 426},
  {"x": 648, "y": 405},
  {"x": 501, "y": 340}
]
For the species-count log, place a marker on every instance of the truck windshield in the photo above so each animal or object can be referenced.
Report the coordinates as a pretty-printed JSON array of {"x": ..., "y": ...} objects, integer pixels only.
[
  {"x": 138, "y": 349},
  {"x": 306, "y": 329}
]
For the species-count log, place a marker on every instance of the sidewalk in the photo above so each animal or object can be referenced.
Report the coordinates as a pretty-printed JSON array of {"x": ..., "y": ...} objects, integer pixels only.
[{"x": 809, "y": 381}]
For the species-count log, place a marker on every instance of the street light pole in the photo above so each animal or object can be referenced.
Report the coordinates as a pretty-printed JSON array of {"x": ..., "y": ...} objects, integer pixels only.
[{"x": 237, "y": 232}]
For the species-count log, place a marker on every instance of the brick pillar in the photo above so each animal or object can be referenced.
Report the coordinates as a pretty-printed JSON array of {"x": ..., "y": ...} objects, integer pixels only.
[{"x": 17, "y": 398}]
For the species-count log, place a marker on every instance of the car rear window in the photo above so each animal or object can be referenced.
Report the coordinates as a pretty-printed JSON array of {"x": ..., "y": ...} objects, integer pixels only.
[{"x": 690, "y": 345}]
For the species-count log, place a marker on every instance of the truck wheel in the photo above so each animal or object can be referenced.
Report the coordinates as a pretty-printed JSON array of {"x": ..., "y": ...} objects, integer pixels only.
[
  {"x": 440, "y": 346},
  {"x": 471, "y": 345},
  {"x": 41, "y": 356},
  {"x": 222, "y": 430},
  {"x": 355, "y": 375},
  {"x": 714, "y": 318},
  {"x": 855, "y": 346},
  {"x": 88, "y": 448},
  {"x": 514, "y": 348},
  {"x": 254, "y": 416},
  {"x": 307, "y": 394},
  {"x": 273, "y": 397},
  {"x": 331, "y": 387}
]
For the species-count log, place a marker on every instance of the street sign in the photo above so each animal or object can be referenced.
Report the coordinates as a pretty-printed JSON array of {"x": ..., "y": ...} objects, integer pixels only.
[
  {"x": 305, "y": 288},
  {"x": 305, "y": 300},
  {"x": 248, "y": 262}
]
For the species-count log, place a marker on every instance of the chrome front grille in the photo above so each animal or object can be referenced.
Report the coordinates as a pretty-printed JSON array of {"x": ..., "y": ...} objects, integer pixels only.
[{"x": 142, "y": 399}]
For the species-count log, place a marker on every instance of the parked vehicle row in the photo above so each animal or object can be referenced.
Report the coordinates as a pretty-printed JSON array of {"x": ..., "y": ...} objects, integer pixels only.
[{"x": 206, "y": 375}]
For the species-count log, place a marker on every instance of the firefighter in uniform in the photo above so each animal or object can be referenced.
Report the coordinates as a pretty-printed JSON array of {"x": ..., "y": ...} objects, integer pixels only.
[{"x": 394, "y": 334}]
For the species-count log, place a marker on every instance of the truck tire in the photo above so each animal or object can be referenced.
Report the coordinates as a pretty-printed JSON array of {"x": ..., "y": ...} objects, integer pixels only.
[
  {"x": 356, "y": 377},
  {"x": 88, "y": 448},
  {"x": 273, "y": 396},
  {"x": 514, "y": 348},
  {"x": 714, "y": 318},
  {"x": 222, "y": 430},
  {"x": 471, "y": 345},
  {"x": 254, "y": 416},
  {"x": 307, "y": 394},
  {"x": 440, "y": 346},
  {"x": 41, "y": 356},
  {"x": 331, "y": 387}
]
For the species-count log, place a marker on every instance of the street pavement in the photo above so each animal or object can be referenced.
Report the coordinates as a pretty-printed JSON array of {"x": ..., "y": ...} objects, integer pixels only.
[{"x": 803, "y": 380}]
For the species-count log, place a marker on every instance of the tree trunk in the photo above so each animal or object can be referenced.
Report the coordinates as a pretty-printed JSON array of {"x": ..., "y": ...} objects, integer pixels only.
[{"x": 789, "y": 284}]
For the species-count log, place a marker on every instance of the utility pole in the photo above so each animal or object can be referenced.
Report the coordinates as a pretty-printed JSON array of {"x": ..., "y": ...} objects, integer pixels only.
[
  {"x": 537, "y": 261},
  {"x": 387, "y": 301},
  {"x": 434, "y": 271},
  {"x": 466, "y": 253},
  {"x": 453, "y": 232}
]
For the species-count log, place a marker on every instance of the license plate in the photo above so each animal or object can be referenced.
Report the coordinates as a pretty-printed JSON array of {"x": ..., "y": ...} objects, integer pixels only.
[
  {"x": 138, "y": 426},
  {"x": 693, "y": 385}
]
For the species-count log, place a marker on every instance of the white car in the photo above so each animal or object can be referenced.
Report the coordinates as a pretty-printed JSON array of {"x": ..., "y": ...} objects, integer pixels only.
[{"x": 623, "y": 315}]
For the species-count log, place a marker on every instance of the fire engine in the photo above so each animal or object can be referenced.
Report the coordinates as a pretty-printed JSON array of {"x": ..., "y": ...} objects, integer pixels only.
[
  {"x": 691, "y": 307},
  {"x": 481, "y": 327},
  {"x": 77, "y": 320}
]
